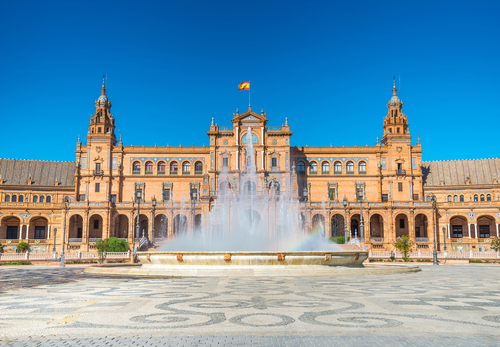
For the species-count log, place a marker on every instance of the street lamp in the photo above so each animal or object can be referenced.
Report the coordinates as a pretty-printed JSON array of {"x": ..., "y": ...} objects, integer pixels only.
[
  {"x": 432, "y": 198},
  {"x": 54, "y": 249},
  {"x": 138, "y": 198},
  {"x": 64, "y": 231},
  {"x": 444, "y": 235},
  {"x": 154, "y": 212},
  {"x": 361, "y": 223},
  {"x": 304, "y": 194},
  {"x": 193, "y": 205},
  {"x": 345, "y": 218}
]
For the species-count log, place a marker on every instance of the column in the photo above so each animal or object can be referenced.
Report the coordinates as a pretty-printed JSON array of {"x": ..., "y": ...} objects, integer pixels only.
[
  {"x": 27, "y": 231},
  {"x": 237, "y": 137},
  {"x": 48, "y": 232},
  {"x": 498, "y": 230},
  {"x": 261, "y": 137},
  {"x": 262, "y": 159},
  {"x": 237, "y": 158},
  {"x": 449, "y": 233},
  {"x": 131, "y": 227}
]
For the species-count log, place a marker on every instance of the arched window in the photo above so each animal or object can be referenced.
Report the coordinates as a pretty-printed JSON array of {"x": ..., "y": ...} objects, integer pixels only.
[
  {"x": 35, "y": 198},
  {"x": 149, "y": 168},
  {"x": 7, "y": 198},
  {"x": 325, "y": 168},
  {"x": 362, "y": 167},
  {"x": 249, "y": 161},
  {"x": 161, "y": 168},
  {"x": 174, "y": 168},
  {"x": 21, "y": 198},
  {"x": 461, "y": 198},
  {"x": 313, "y": 168},
  {"x": 49, "y": 199},
  {"x": 255, "y": 140},
  {"x": 198, "y": 168},
  {"x": 455, "y": 198},
  {"x": 482, "y": 197},
  {"x": 449, "y": 198},
  {"x": 488, "y": 197},
  {"x": 136, "y": 167},
  {"x": 186, "y": 168},
  {"x": 301, "y": 167},
  {"x": 337, "y": 167},
  {"x": 42, "y": 198},
  {"x": 274, "y": 187},
  {"x": 475, "y": 197},
  {"x": 350, "y": 167},
  {"x": 14, "y": 198}
]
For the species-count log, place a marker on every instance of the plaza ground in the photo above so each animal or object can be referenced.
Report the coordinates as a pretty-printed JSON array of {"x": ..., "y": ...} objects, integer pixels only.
[{"x": 442, "y": 305}]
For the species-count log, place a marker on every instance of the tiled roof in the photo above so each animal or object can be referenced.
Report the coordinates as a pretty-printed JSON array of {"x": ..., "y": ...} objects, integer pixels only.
[
  {"x": 455, "y": 172},
  {"x": 42, "y": 173}
]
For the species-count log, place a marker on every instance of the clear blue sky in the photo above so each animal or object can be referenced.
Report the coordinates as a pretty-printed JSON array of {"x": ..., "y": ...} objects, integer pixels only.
[{"x": 173, "y": 65}]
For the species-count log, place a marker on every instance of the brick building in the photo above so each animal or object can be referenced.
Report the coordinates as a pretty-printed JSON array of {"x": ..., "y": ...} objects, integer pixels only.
[{"x": 386, "y": 184}]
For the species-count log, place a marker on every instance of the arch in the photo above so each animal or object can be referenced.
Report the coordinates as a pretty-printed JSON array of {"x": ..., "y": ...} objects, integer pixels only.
[
  {"x": 249, "y": 188},
  {"x": 401, "y": 225},
  {"x": 180, "y": 225},
  {"x": 14, "y": 198},
  {"x": 486, "y": 227},
  {"x": 21, "y": 198},
  {"x": 449, "y": 198},
  {"x": 35, "y": 198},
  {"x": 174, "y": 168},
  {"x": 38, "y": 228},
  {"x": 121, "y": 226},
  {"x": 42, "y": 198},
  {"x": 197, "y": 223},
  {"x": 149, "y": 167},
  {"x": 255, "y": 139},
  {"x": 455, "y": 198},
  {"x": 274, "y": 187},
  {"x": 459, "y": 227},
  {"x": 337, "y": 168},
  {"x": 161, "y": 226},
  {"x": 481, "y": 197},
  {"x": 7, "y": 198},
  {"x": 224, "y": 188},
  {"x": 421, "y": 225},
  {"x": 301, "y": 167},
  {"x": 136, "y": 166},
  {"x": 10, "y": 227},
  {"x": 49, "y": 199},
  {"x": 349, "y": 167},
  {"x": 186, "y": 167},
  {"x": 462, "y": 198},
  {"x": 488, "y": 197},
  {"x": 161, "y": 167},
  {"x": 313, "y": 167},
  {"x": 355, "y": 225},
  {"x": 252, "y": 219},
  {"x": 95, "y": 226},
  {"x": 318, "y": 224},
  {"x": 337, "y": 225},
  {"x": 476, "y": 197},
  {"x": 75, "y": 230},
  {"x": 376, "y": 225},
  {"x": 362, "y": 167},
  {"x": 198, "y": 167},
  {"x": 325, "y": 167}
]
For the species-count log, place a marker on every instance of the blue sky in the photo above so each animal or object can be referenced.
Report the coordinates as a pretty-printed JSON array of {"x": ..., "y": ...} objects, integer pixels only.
[{"x": 173, "y": 65}]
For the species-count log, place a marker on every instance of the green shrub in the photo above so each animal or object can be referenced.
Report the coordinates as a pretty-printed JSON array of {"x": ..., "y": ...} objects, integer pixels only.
[
  {"x": 338, "y": 239},
  {"x": 22, "y": 262},
  {"x": 495, "y": 244},
  {"x": 1, "y": 247},
  {"x": 404, "y": 244},
  {"x": 111, "y": 244},
  {"x": 23, "y": 246}
]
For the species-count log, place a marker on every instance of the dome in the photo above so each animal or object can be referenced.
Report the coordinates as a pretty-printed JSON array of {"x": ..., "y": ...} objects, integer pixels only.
[
  {"x": 395, "y": 100},
  {"x": 102, "y": 98}
]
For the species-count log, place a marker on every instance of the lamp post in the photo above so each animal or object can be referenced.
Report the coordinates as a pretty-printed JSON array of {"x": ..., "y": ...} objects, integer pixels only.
[
  {"x": 444, "y": 235},
  {"x": 193, "y": 206},
  {"x": 138, "y": 197},
  {"x": 64, "y": 231},
  {"x": 361, "y": 223},
  {"x": 432, "y": 198},
  {"x": 54, "y": 249},
  {"x": 345, "y": 219},
  {"x": 154, "y": 212},
  {"x": 304, "y": 194}
]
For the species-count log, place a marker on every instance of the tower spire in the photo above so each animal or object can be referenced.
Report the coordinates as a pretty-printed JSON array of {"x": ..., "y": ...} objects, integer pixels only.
[
  {"x": 103, "y": 89},
  {"x": 394, "y": 90}
]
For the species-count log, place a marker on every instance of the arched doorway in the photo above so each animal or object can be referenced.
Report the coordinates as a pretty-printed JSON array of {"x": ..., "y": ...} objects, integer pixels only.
[
  {"x": 224, "y": 188},
  {"x": 377, "y": 226},
  {"x": 121, "y": 226},
  {"x": 251, "y": 218},
  {"x": 249, "y": 188},
  {"x": 161, "y": 226},
  {"x": 197, "y": 223},
  {"x": 318, "y": 223},
  {"x": 143, "y": 226},
  {"x": 355, "y": 225},
  {"x": 337, "y": 225},
  {"x": 421, "y": 224},
  {"x": 75, "y": 230},
  {"x": 95, "y": 228},
  {"x": 459, "y": 229},
  {"x": 274, "y": 188},
  {"x": 10, "y": 228},
  {"x": 180, "y": 225},
  {"x": 401, "y": 225},
  {"x": 486, "y": 227},
  {"x": 38, "y": 228}
]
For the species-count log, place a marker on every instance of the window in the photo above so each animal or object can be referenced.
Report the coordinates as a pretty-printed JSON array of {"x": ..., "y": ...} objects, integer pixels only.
[
  {"x": 35, "y": 198},
  {"x": 98, "y": 167},
  {"x": 166, "y": 194},
  {"x": 113, "y": 198},
  {"x": 397, "y": 130},
  {"x": 198, "y": 167},
  {"x": 11, "y": 232},
  {"x": 84, "y": 163},
  {"x": 255, "y": 140},
  {"x": 14, "y": 198},
  {"x": 49, "y": 199},
  {"x": 475, "y": 197},
  {"x": 174, "y": 168},
  {"x": 488, "y": 197},
  {"x": 415, "y": 197},
  {"x": 449, "y": 198},
  {"x": 461, "y": 198},
  {"x": 331, "y": 194},
  {"x": 114, "y": 163},
  {"x": 362, "y": 167},
  {"x": 274, "y": 162},
  {"x": 97, "y": 187},
  {"x": 149, "y": 168},
  {"x": 99, "y": 129},
  {"x": 193, "y": 194},
  {"x": 455, "y": 198},
  {"x": 249, "y": 161},
  {"x": 42, "y": 198},
  {"x": 7, "y": 198},
  {"x": 301, "y": 167},
  {"x": 457, "y": 231},
  {"x": 359, "y": 193},
  {"x": 21, "y": 198},
  {"x": 161, "y": 168},
  {"x": 482, "y": 197},
  {"x": 337, "y": 168},
  {"x": 402, "y": 223},
  {"x": 385, "y": 198},
  {"x": 313, "y": 168},
  {"x": 136, "y": 168},
  {"x": 400, "y": 187},
  {"x": 81, "y": 197},
  {"x": 484, "y": 231},
  {"x": 186, "y": 168},
  {"x": 39, "y": 232},
  {"x": 350, "y": 167},
  {"x": 325, "y": 168},
  {"x": 225, "y": 162},
  {"x": 96, "y": 223}
]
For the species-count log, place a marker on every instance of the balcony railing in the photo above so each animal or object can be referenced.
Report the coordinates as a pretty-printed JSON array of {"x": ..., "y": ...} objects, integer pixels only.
[
  {"x": 225, "y": 128},
  {"x": 362, "y": 172},
  {"x": 377, "y": 239},
  {"x": 75, "y": 240},
  {"x": 198, "y": 172},
  {"x": 186, "y": 172},
  {"x": 313, "y": 172},
  {"x": 161, "y": 172},
  {"x": 136, "y": 172},
  {"x": 149, "y": 172},
  {"x": 401, "y": 172},
  {"x": 173, "y": 172},
  {"x": 273, "y": 128},
  {"x": 325, "y": 172},
  {"x": 98, "y": 172},
  {"x": 422, "y": 239},
  {"x": 350, "y": 172},
  {"x": 337, "y": 172}
]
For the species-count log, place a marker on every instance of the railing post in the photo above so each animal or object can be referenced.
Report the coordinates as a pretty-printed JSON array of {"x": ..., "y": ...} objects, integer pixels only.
[
  {"x": 27, "y": 255},
  {"x": 79, "y": 254},
  {"x": 470, "y": 254}
]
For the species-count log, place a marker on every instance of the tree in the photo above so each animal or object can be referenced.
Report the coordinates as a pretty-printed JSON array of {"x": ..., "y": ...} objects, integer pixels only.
[
  {"x": 23, "y": 246},
  {"x": 495, "y": 244},
  {"x": 111, "y": 244},
  {"x": 100, "y": 245},
  {"x": 404, "y": 245},
  {"x": 1, "y": 247}
]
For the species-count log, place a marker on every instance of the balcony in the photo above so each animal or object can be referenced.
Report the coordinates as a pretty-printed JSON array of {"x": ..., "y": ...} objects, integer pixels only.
[
  {"x": 98, "y": 172},
  {"x": 136, "y": 172},
  {"x": 400, "y": 172},
  {"x": 225, "y": 128},
  {"x": 161, "y": 172},
  {"x": 149, "y": 172},
  {"x": 173, "y": 172},
  {"x": 198, "y": 172},
  {"x": 337, "y": 172},
  {"x": 325, "y": 172},
  {"x": 75, "y": 240},
  {"x": 350, "y": 172},
  {"x": 273, "y": 128},
  {"x": 421, "y": 239},
  {"x": 313, "y": 172},
  {"x": 362, "y": 172},
  {"x": 186, "y": 172},
  {"x": 377, "y": 239}
]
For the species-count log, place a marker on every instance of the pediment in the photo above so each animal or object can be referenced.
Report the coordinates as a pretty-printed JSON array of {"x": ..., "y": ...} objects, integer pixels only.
[{"x": 250, "y": 117}]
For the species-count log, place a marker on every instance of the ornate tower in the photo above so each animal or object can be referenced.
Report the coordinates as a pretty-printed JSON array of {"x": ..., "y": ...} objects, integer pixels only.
[
  {"x": 102, "y": 123},
  {"x": 395, "y": 123}
]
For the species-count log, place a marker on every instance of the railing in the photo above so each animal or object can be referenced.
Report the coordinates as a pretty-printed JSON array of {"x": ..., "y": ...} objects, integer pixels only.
[
  {"x": 325, "y": 172},
  {"x": 349, "y": 172},
  {"x": 75, "y": 240},
  {"x": 401, "y": 172},
  {"x": 93, "y": 239},
  {"x": 377, "y": 239},
  {"x": 67, "y": 256},
  {"x": 186, "y": 172},
  {"x": 198, "y": 172},
  {"x": 362, "y": 172},
  {"x": 422, "y": 239},
  {"x": 143, "y": 242},
  {"x": 337, "y": 172},
  {"x": 313, "y": 172},
  {"x": 429, "y": 255},
  {"x": 225, "y": 128},
  {"x": 149, "y": 172},
  {"x": 174, "y": 172},
  {"x": 136, "y": 172},
  {"x": 98, "y": 172},
  {"x": 273, "y": 128},
  {"x": 161, "y": 172}
]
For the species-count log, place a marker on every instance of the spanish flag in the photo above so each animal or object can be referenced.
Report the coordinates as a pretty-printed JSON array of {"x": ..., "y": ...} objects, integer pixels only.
[{"x": 244, "y": 86}]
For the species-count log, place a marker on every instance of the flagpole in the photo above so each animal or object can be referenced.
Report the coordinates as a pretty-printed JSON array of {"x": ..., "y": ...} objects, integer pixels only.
[{"x": 249, "y": 104}]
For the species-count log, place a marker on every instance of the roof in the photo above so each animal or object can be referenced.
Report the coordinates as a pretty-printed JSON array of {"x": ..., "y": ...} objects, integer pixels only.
[
  {"x": 455, "y": 172},
  {"x": 43, "y": 173}
]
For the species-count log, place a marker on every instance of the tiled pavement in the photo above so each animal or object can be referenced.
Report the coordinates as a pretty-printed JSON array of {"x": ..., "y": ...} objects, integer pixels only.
[{"x": 443, "y": 305}]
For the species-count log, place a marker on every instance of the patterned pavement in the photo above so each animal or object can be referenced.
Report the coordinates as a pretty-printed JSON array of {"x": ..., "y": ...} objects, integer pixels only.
[{"x": 445, "y": 305}]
